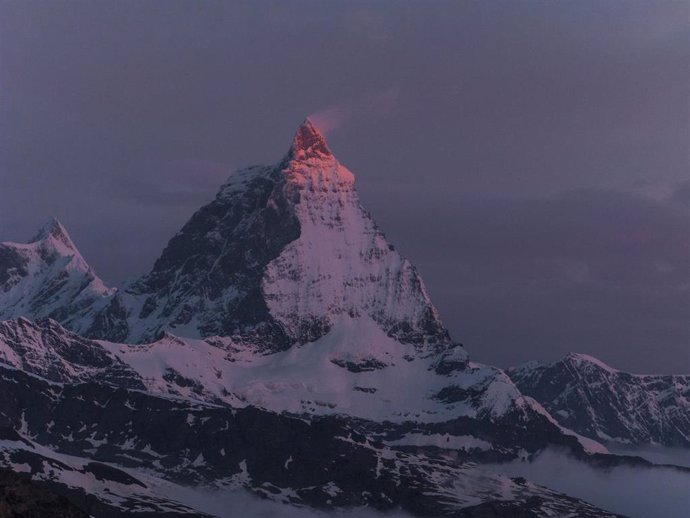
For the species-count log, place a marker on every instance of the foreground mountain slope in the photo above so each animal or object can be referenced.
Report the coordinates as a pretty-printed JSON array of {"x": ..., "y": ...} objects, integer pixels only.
[
  {"x": 606, "y": 404},
  {"x": 121, "y": 452},
  {"x": 21, "y": 496},
  {"x": 48, "y": 277},
  {"x": 391, "y": 395}
]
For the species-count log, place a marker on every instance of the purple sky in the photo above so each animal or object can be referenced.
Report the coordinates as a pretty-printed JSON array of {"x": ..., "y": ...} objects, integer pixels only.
[{"x": 531, "y": 158}]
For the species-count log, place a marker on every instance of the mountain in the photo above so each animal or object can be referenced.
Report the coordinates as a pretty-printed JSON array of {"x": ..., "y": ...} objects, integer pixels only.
[
  {"x": 276, "y": 259},
  {"x": 284, "y": 295},
  {"x": 598, "y": 401},
  {"x": 279, "y": 345},
  {"x": 48, "y": 278},
  {"x": 114, "y": 451}
]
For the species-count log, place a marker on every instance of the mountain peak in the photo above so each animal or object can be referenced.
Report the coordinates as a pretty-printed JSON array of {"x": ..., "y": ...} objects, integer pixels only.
[
  {"x": 56, "y": 232},
  {"x": 584, "y": 359},
  {"x": 309, "y": 142}
]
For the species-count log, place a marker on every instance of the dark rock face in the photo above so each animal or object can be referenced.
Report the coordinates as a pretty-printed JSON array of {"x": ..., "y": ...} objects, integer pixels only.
[
  {"x": 46, "y": 349},
  {"x": 105, "y": 472},
  {"x": 211, "y": 270},
  {"x": 111, "y": 323},
  {"x": 60, "y": 481},
  {"x": 452, "y": 360},
  {"x": 366, "y": 365},
  {"x": 20, "y": 497},
  {"x": 533, "y": 436},
  {"x": 600, "y": 402},
  {"x": 13, "y": 266}
]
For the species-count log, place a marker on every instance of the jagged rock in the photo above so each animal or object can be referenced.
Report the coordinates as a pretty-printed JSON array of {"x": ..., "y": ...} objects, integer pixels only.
[
  {"x": 48, "y": 278},
  {"x": 598, "y": 401},
  {"x": 20, "y": 497}
]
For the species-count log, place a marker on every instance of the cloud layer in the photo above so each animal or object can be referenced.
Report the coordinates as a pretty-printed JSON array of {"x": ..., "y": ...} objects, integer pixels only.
[{"x": 633, "y": 492}]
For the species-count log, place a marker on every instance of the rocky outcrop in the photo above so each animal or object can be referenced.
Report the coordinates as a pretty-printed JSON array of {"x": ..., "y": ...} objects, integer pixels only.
[{"x": 606, "y": 404}]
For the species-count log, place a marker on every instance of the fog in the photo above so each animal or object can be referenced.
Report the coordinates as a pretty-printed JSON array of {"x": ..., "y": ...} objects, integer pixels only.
[
  {"x": 656, "y": 454},
  {"x": 629, "y": 491},
  {"x": 634, "y": 492}
]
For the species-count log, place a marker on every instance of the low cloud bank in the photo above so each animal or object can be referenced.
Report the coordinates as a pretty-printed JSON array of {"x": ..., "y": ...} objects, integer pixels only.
[
  {"x": 634, "y": 492},
  {"x": 657, "y": 454}
]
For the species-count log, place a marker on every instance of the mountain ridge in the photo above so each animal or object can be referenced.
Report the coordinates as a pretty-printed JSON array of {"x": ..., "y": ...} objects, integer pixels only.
[
  {"x": 48, "y": 278},
  {"x": 606, "y": 404}
]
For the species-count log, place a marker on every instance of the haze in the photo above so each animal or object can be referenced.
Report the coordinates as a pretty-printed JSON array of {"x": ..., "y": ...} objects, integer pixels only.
[{"x": 531, "y": 158}]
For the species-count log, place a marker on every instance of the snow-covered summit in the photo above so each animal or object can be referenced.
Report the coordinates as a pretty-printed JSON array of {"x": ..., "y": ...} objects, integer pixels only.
[
  {"x": 310, "y": 165},
  {"x": 53, "y": 233},
  {"x": 309, "y": 143},
  {"x": 48, "y": 277},
  {"x": 276, "y": 259}
]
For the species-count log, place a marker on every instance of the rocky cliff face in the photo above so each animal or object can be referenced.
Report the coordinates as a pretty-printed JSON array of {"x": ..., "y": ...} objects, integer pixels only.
[
  {"x": 603, "y": 403},
  {"x": 20, "y": 496}
]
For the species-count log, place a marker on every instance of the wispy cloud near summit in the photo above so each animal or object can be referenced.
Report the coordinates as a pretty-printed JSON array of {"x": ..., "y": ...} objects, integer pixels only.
[{"x": 374, "y": 104}]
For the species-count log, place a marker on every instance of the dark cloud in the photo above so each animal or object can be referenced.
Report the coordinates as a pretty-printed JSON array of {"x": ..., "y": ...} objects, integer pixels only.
[{"x": 464, "y": 122}]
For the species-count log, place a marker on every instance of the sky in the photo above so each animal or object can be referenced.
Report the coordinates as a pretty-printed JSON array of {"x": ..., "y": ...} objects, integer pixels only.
[{"x": 530, "y": 158}]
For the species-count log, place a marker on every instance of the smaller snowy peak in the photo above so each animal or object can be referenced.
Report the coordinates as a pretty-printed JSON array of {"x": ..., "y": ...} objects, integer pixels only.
[
  {"x": 588, "y": 362},
  {"x": 56, "y": 234},
  {"x": 308, "y": 143},
  {"x": 605, "y": 404},
  {"x": 48, "y": 277}
]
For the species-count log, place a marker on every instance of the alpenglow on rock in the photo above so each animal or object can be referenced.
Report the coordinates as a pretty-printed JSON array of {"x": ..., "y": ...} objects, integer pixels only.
[{"x": 280, "y": 255}]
